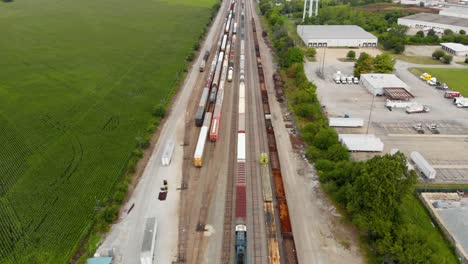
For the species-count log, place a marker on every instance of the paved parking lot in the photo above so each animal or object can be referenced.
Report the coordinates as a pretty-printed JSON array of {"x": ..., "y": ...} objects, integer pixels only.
[{"x": 446, "y": 151}]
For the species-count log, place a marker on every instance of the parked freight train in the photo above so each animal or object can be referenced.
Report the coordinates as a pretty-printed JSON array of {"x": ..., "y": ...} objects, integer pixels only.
[
  {"x": 241, "y": 194},
  {"x": 214, "y": 83},
  {"x": 288, "y": 244}
]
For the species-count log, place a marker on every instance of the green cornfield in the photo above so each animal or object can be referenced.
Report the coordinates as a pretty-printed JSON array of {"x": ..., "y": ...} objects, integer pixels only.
[{"x": 78, "y": 80}]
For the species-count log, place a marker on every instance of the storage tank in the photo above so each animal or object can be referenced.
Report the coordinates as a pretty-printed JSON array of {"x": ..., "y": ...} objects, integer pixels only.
[{"x": 422, "y": 165}]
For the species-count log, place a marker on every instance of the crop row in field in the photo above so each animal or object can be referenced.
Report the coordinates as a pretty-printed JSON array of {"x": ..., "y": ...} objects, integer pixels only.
[{"x": 78, "y": 83}]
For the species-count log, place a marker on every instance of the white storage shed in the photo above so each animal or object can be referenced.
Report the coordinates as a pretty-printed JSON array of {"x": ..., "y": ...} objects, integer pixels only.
[
  {"x": 336, "y": 36},
  {"x": 376, "y": 82},
  {"x": 456, "y": 49}
]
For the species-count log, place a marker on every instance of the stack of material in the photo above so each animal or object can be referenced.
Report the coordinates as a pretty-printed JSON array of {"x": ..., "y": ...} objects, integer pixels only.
[
  {"x": 361, "y": 142},
  {"x": 345, "y": 122}
]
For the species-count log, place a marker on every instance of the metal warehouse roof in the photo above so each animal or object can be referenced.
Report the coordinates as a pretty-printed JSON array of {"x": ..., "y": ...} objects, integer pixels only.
[
  {"x": 102, "y": 260},
  {"x": 454, "y": 10},
  {"x": 383, "y": 80},
  {"x": 457, "y": 47},
  {"x": 398, "y": 93},
  {"x": 434, "y": 18},
  {"x": 332, "y": 32}
]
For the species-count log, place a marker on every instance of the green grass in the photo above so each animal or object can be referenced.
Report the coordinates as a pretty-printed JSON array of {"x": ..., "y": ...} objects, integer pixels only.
[
  {"x": 414, "y": 212},
  {"x": 78, "y": 81},
  {"x": 455, "y": 78},
  {"x": 417, "y": 59}
]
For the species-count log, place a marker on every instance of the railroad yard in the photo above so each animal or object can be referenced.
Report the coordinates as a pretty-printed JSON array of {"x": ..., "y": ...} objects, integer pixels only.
[{"x": 233, "y": 173}]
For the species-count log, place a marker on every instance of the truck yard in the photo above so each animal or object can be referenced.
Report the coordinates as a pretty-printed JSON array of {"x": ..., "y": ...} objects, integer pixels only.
[{"x": 443, "y": 147}]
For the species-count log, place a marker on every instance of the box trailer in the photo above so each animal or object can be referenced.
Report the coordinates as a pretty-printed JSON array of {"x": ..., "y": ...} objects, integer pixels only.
[
  {"x": 422, "y": 165},
  {"x": 361, "y": 142},
  {"x": 399, "y": 103},
  {"x": 417, "y": 108},
  {"x": 149, "y": 241},
  {"x": 345, "y": 122},
  {"x": 167, "y": 154},
  {"x": 452, "y": 94}
]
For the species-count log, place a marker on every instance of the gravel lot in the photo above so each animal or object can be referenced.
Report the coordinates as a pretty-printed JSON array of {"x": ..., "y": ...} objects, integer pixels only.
[{"x": 446, "y": 151}]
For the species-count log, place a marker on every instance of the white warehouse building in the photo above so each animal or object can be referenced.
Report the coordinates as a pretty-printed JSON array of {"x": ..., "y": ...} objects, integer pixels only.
[
  {"x": 336, "y": 36},
  {"x": 376, "y": 83},
  {"x": 427, "y": 21}
]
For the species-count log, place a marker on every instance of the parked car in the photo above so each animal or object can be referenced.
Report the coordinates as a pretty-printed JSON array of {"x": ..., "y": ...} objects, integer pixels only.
[
  {"x": 441, "y": 86},
  {"x": 432, "y": 81},
  {"x": 356, "y": 80},
  {"x": 425, "y": 76}
]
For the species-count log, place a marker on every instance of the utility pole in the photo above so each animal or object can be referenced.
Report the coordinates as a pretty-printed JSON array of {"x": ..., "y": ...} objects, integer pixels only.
[{"x": 370, "y": 112}]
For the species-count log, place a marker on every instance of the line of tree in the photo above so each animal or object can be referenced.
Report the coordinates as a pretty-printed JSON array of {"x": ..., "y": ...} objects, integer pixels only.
[{"x": 372, "y": 192}]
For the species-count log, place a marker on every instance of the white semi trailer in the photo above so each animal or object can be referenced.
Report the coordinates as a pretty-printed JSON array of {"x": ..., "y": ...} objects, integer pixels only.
[
  {"x": 417, "y": 108},
  {"x": 167, "y": 154},
  {"x": 399, "y": 103},
  {"x": 149, "y": 240},
  {"x": 422, "y": 165}
]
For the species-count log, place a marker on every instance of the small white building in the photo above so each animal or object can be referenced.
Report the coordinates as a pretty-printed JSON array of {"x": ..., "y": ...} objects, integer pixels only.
[
  {"x": 456, "y": 49},
  {"x": 455, "y": 11},
  {"x": 336, "y": 36},
  {"x": 427, "y": 21},
  {"x": 375, "y": 83}
]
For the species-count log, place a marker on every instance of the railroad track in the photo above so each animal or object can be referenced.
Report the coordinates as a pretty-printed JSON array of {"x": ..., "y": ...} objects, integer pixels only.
[
  {"x": 186, "y": 204},
  {"x": 256, "y": 146}
]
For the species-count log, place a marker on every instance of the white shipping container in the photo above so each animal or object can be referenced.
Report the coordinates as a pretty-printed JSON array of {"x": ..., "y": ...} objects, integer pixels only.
[
  {"x": 423, "y": 166},
  {"x": 240, "y": 146},
  {"x": 241, "y": 105},
  {"x": 167, "y": 154},
  {"x": 242, "y": 50},
  {"x": 345, "y": 122},
  {"x": 223, "y": 43},
  {"x": 201, "y": 143},
  {"x": 399, "y": 103},
  {"x": 241, "y": 123},
  {"x": 241, "y": 90},
  {"x": 198, "y": 155}
]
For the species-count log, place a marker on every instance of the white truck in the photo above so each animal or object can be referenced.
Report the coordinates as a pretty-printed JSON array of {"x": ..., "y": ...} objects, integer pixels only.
[
  {"x": 460, "y": 102},
  {"x": 344, "y": 79},
  {"x": 417, "y": 108},
  {"x": 230, "y": 73},
  {"x": 350, "y": 79},
  {"x": 337, "y": 77},
  {"x": 422, "y": 165},
  {"x": 432, "y": 81},
  {"x": 399, "y": 103}
]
